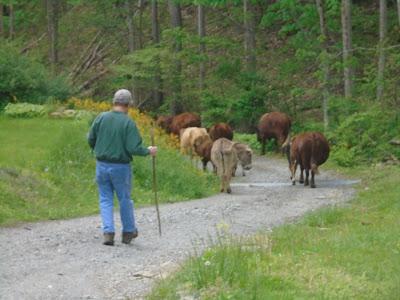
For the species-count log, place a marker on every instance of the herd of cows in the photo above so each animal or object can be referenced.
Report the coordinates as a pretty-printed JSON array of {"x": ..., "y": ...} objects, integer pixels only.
[{"x": 307, "y": 150}]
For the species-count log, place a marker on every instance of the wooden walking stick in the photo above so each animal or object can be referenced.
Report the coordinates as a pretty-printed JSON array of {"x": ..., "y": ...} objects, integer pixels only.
[{"x": 155, "y": 181}]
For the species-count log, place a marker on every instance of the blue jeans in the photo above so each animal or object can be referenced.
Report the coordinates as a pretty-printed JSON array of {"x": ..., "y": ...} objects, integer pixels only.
[{"x": 112, "y": 177}]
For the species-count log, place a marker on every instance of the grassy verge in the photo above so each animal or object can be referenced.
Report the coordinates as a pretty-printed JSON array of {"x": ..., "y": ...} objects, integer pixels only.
[
  {"x": 350, "y": 252},
  {"x": 47, "y": 172}
]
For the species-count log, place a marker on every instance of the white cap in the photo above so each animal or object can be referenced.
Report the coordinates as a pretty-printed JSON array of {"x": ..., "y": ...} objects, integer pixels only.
[{"x": 122, "y": 97}]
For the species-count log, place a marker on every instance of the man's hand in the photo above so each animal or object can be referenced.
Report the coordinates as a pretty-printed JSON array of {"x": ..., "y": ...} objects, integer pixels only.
[{"x": 153, "y": 150}]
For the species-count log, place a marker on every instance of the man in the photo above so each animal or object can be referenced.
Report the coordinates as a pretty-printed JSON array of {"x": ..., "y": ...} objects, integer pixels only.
[{"x": 115, "y": 138}]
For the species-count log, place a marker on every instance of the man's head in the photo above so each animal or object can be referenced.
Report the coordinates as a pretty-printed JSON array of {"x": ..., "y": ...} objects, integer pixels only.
[{"x": 122, "y": 99}]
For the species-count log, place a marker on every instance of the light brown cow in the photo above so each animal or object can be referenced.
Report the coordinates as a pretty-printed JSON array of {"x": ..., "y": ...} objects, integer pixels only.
[
  {"x": 244, "y": 154},
  {"x": 224, "y": 157},
  {"x": 202, "y": 147},
  {"x": 189, "y": 135}
]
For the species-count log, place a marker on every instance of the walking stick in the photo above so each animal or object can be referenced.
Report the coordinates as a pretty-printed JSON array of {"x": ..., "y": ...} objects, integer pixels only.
[{"x": 155, "y": 182}]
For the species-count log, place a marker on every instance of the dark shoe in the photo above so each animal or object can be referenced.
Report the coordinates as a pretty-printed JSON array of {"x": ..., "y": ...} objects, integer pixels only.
[
  {"x": 127, "y": 237},
  {"x": 108, "y": 239}
]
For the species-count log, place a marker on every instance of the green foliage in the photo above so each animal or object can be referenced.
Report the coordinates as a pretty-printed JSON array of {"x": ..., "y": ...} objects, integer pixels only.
[
  {"x": 364, "y": 137},
  {"x": 347, "y": 252},
  {"x": 24, "y": 79},
  {"x": 24, "y": 110}
]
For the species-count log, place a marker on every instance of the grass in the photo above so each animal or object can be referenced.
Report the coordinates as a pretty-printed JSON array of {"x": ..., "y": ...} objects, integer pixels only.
[
  {"x": 350, "y": 252},
  {"x": 47, "y": 172}
]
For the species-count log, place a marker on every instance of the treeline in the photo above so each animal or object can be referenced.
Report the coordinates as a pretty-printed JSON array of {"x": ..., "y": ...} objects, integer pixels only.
[{"x": 230, "y": 60}]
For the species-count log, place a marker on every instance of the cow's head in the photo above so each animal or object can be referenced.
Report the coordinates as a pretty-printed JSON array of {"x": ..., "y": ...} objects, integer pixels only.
[{"x": 245, "y": 155}]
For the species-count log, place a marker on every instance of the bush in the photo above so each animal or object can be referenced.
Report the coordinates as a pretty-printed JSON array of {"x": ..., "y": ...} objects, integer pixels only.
[
  {"x": 24, "y": 110},
  {"x": 24, "y": 79}
]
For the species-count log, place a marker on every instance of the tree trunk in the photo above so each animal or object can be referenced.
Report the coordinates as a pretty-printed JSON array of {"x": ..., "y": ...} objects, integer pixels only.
[
  {"x": 201, "y": 28},
  {"x": 176, "y": 21},
  {"x": 382, "y": 38},
  {"x": 249, "y": 35},
  {"x": 347, "y": 48},
  {"x": 129, "y": 23},
  {"x": 140, "y": 27},
  {"x": 325, "y": 63},
  {"x": 398, "y": 10},
  {"x": 11, "y": 22},
  {"x": 52, "y": 30},
  {"x": 1, "y": 21},
  {"x": 155, "y": 32}
]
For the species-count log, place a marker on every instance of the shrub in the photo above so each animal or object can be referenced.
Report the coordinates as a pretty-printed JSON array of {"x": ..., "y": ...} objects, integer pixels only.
[
  {"x": 24, "y": 110},
  {"x": 24, "y": 79}
]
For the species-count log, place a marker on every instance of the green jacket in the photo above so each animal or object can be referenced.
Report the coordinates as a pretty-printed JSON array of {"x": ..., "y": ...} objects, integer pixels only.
[{"x": 115, "y": 138}]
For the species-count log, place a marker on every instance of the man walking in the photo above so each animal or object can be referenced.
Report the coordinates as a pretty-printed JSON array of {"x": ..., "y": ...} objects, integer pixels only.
[{"x": 115, "y": 138}]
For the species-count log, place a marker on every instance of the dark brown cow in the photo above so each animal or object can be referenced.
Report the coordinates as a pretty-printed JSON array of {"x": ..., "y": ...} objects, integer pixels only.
[
  {"x": 202, "y": 147},
  {"x": 309, "y": 150},
  {"x": 184, "y": 120},
  {"x": 165, "y": 122},
  {"x": 274, "y": 125},
  {"x": 220, "y": 130}
]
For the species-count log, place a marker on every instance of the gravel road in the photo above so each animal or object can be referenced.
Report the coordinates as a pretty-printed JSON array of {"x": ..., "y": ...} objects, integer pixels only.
[{"x": 66, "y": 260}]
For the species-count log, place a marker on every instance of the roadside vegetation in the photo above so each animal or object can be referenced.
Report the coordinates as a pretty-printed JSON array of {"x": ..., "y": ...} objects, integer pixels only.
[
  {"x": 350, "y": 252},
  {"x": 47, "y": 168}
]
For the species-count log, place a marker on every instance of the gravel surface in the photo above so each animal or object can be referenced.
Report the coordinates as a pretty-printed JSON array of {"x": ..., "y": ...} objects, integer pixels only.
[{"x": 66, "y": 259}]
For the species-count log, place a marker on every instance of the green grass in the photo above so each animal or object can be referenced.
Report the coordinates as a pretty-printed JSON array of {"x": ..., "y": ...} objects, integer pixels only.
[
  {"x": 47, "y": 172},
  {"x": 349, "y": 252}
]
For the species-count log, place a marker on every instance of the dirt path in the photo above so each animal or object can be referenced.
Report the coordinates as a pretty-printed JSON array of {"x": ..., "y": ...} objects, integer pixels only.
[{"x": 66, "y": 260}]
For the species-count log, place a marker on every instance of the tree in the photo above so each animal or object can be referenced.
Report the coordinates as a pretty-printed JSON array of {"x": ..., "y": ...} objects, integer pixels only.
[
  {"x": 155, "y": 32},
  {"x": 1, "y": 20},
  {"x": 52, "y": 31},
  {"x": 11, "y": 21},
  {"x": 382, "y": 38},
  {"x": 176, "y": 22},
  {"x": 347, "y": 47},
  {"x": 201, "y": 29},
  {"x": 325, "y": 63},
  {"x": 129, "y": 23},
  {"x": 249, "y": 35},
  {"x": 398, "y": 10}
]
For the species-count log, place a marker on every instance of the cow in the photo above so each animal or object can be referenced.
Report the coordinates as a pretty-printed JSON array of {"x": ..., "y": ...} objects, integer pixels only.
[
  {"x": 202, "y": 147},
  {"x": 188, "y": 137},
  {"x": 244, "y": 154},
  {"x": 220, "y": 130},
  {"x": 309, "y": 150},
  {"x": 165, "y": 122},
  {"x": 184, "y": 120},
  {"x": 224, "y": 157},
  {"x": 274, "y": 125}
]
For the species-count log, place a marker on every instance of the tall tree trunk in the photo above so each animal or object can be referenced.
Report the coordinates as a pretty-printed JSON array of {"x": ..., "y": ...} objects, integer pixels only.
[
  {"x": 347, "y": 47},
  {"x": 52, "y": 31},
  {"x": 130, "y": 26},
  {"x": 1, "y": 21},
  {"x": 382, "y": 38},
  {"x": 11, "y": 22},
  {"x": 325, "y": 63},
  {"x": 155, "y": 32},
  {"x": 201, "y": 29},
  {"x": 140, "y": 27},
  {"x": 249, "y": 35},
  {"x": 398, "y": 10},
  {"x": 176, "y": 21}
]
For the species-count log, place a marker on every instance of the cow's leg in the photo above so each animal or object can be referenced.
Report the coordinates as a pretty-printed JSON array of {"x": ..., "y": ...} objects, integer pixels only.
[
  {"x": 307, "y": 175},
  {"x": 312, "y": 179},
  {"x": 228, "y": 181},
  {"x": 234, "y": 171},
  {"x": 301, "y": 180},
  {"x": 243, "y": 173},
  {"x": 293, "y": 171},
  {"x": 204, "y": 160},
  {"x": 263, "y": 146}
]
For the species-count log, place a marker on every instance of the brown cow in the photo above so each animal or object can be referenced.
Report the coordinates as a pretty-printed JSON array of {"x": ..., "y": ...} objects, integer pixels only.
[
  {"x": 202, "y": 147},
  {"x": 220, "y": 130},
  {"x": 224, "y": 157},
  {"x": 309, "y": 150},
  {"x": 184, "y": 120},
  {"x": 165, "y": 122},
  {"x": 244, "y": 154},
  {"x": 274, "y": 125}
]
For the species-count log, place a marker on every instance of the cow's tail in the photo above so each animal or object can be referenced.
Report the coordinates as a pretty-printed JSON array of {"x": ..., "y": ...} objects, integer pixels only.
[{"x": 314, "y": 166}]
